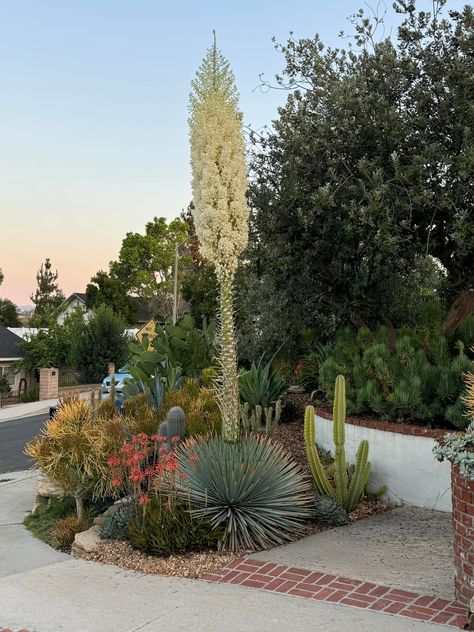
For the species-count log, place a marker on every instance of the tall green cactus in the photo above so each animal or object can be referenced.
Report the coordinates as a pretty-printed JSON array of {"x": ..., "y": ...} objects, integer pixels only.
[
  {"x": 339, "y": 419},
  {"x": 348, "y": 489}
]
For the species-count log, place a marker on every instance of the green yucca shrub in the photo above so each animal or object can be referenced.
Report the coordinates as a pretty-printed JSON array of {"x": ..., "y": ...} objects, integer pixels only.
[{"x": 250, "y": 491}]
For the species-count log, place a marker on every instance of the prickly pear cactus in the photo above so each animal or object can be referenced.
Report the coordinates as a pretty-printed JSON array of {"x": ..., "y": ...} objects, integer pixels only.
[{"x": 327, "y": 510}]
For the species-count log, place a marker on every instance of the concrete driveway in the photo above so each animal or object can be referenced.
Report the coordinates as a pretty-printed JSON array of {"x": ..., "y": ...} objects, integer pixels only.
[{"x": 42, "y": 590}]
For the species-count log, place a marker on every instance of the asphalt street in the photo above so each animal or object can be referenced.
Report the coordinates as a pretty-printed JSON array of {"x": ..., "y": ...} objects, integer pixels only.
[{"x": 13, "y": 437}]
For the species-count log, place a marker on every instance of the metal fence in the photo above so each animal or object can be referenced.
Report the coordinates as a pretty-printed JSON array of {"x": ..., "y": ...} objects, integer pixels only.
[
  {"x": 19, "y": 397},
  {"x": 68, "y": 377},
  {"x": 9, "y": 399}
]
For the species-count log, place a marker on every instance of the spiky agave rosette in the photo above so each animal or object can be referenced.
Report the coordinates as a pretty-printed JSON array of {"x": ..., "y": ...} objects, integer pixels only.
[{"x": 250, "y": 491}]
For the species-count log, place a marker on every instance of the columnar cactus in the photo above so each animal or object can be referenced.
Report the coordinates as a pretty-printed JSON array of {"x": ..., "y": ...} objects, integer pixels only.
[
  {"x": 253, "y": 420},
  {"x": 176, "y": 422},
  {"x": 348, "y": 489}
]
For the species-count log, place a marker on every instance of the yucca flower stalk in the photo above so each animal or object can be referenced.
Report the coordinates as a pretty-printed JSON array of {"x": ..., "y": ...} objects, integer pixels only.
[{"x": 221, "y": 212}]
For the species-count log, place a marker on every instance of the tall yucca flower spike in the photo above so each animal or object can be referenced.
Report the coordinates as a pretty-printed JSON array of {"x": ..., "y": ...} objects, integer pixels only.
[{"x": 221, "y": 212}]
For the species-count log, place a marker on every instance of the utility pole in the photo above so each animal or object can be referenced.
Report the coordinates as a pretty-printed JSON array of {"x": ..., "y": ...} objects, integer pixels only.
[{"x": 175, "y": 279}]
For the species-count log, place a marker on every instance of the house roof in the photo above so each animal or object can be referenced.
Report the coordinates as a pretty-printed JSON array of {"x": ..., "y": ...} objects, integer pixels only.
[
  {"x": 144, "y": 306},
  {"x": 80, "y": 296},
  {"x": 8, "y": 344}
]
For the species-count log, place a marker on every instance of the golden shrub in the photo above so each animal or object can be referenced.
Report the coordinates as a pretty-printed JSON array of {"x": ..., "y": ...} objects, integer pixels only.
[
  {"x": 139, "y": 416},
  {"x": 64, "y": 530},
  {"x": 199, "y": 405},
  {"x": 73, "y": 449}
]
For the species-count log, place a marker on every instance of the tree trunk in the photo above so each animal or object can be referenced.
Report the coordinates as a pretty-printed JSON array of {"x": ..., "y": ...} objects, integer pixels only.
[
  {"x": 79, "y": 507},
  {"x": 462, "y": 308},
  {"x": 228, "y": 388}
]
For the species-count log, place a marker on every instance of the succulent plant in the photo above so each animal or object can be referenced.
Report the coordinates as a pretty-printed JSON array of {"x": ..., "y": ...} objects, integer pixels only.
[
  {"x": 174, "y": 425},
  {"x": 328, "y": 511},
  {"x": 115, "y": 526},
  {"x": 250, "y": 491},
  {"x": 253, "y": 420},
  {"x": 350, "y": 482}
]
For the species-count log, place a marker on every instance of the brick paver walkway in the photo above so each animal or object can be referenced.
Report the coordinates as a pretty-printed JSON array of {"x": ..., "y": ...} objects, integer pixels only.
[
  {"x": 322, "y": 586},
  {"x": 301, "y": 582}
]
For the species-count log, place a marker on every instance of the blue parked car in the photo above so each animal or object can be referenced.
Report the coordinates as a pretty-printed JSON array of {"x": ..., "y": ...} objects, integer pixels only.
[{"x": 120, "y": 377}]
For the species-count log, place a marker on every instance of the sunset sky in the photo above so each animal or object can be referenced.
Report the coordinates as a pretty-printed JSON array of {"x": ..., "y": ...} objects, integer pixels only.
[{"x": 93, "y": 115}]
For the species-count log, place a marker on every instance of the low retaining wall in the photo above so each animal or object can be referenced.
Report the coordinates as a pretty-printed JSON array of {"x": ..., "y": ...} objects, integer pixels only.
[
  {"x": 401, "y": 457},
  {"x": 463, "y": 527}
]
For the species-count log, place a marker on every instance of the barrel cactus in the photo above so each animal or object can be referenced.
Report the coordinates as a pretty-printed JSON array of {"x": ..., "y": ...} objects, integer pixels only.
[
  {"x": 174, "y": 424},
  {"x": 328, "y": 511}
]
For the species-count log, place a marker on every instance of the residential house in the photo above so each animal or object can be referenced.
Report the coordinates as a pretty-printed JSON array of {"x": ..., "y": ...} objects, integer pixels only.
[
  {"x": 10, "y": 353},
  {"x": 73, "y": 302},
  {"x": 78, "y": 300}
]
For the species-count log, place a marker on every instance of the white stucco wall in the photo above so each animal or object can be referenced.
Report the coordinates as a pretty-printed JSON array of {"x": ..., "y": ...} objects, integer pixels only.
[
  {"x": 405, "y": 463},
  {"x": 70, "y": 308}
]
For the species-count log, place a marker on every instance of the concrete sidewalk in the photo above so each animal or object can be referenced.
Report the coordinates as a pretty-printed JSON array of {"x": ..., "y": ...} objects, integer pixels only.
[
  {"x": 78, "y": 596},
  {"x": 17, "y": 411},
  {"x": 45, "y": 591},
  {"x": 407, "y": 548}
]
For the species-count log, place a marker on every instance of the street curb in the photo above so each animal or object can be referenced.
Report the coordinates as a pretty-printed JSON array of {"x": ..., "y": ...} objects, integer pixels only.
[{"x": 20, "y": 416}]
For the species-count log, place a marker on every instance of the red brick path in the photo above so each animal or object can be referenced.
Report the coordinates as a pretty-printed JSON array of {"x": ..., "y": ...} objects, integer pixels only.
[{"x": 321, "y": 586}]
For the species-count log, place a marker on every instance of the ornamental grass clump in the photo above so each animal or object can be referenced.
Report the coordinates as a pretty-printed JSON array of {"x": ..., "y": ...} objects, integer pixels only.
[
  {"x": 221, "y": 212},
  {"x": 73, "y": 448},
  {"x": 199, "y": 405},
  {"x": 250, "y": 491}
]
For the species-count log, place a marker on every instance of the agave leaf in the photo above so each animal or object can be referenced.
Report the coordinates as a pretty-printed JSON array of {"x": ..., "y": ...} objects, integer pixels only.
[{"x": 251, "y": 491}]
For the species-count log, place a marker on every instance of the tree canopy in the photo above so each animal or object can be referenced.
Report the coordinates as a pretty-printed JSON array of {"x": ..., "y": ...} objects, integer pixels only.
[
  {"x": 105, "y": 289},
  {"x": 145, "y": 263},
  {"x": 366, "y": 171},
  {"x": 8, "y": 314},
  {"x": 47, "y": 295}
]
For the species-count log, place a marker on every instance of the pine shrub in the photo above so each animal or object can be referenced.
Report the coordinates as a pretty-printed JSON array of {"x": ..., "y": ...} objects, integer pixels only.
[{"x": 406, "y": 377}]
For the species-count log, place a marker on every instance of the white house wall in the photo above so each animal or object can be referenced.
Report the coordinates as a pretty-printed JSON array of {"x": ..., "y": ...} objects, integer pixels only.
[{"x": 404, "y": 463}]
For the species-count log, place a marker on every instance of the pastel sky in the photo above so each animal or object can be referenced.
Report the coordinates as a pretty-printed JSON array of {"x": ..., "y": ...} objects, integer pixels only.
[{"x": 93, "y": 115}]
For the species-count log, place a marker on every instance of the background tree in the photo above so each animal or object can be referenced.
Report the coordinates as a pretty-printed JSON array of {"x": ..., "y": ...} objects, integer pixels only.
[
  {"x": 365, "y": 172},
  {"x": 53, "y": 345},
  {"x": 435, "y": 53},
  {"x": 198, "y": 281},
  {"x": 8, "y": 314},
  {"x": 145, "y": 263},
  {"x": 47, "y": 296},
  {"x": 101, "y": 340},
  {"x": 221, "y": 212},
  {"x": 105, "y": 289}
]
